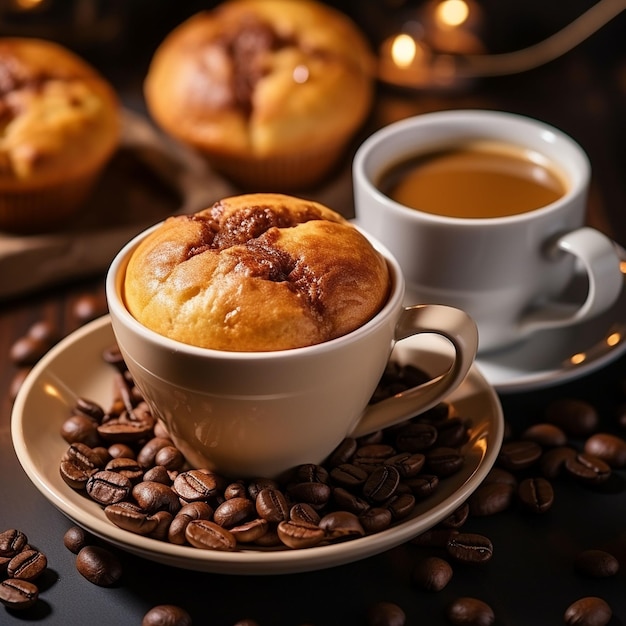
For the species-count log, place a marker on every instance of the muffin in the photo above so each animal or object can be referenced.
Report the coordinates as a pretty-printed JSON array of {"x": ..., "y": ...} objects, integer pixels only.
[
  {"x": 60, "y": 126},
  {"x": 256, "y": 272},
  {"x": 271, "y": 91}
]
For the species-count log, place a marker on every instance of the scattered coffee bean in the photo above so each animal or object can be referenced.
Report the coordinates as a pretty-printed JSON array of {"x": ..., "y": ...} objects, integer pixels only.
[
  {"x": 587, "y": 469},
  {"x": 432, "y": 573},
  {"x": 589, "y": 611},
  {"x": 518, "y": 455},
  {"x": 27, "y": 565},
  {"x": 99, "y": 566},
  {"x": 577, "y": 418},
  {"x": 536, "y": 494},
  {"x": 385, "y": 614},
  {"x": 470, "y": 547},
  {"x": 18, "y": 594},
  {"x": 468, "y": 611},
  {"x": 609, "y": 448},
  {"x": 546, "y": 435},
  {"x": 491, "y": 498},
  {"x": 596, "y": 563},
  {"x": 76, "y": 538},
  {"x": 166, "y": 615}
]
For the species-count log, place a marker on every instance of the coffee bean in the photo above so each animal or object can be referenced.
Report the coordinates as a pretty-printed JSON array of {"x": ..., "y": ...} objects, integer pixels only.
[
  {"x": 348, "y": 475},
  {"x": 385, "y": 614},
  {"x": 341, "y": 524},
  {"x": 431, "y": 573},
  {"x": 376, "y": 519},
  {"x": 300, "y": 535},
  {"x": 519, "y": 455},
  {"x": 310, "y": 473},
  {"x": 99, "y": 566},
  {"x": 416, "y": 437},
  {"x": 401, "y": 506},
  {"x": 316, "y": 494},
  {"x": 577, "y": 418},
  {"x": 251, "y": 531},
  {"x": 552, "y": 462},
  {"x": 27, "y": 350},
  {"x": 596, "y": 563},
  {"x": 607, "y": 447},
  {"x": 468, "y": 611},
  {"x": 546, "y": 435},
  {"x": 169, "y": 457},
  {"x": 304, "y": 513},
  {"x": 196, "y": 485},
  {"x": 589, "y": 611},
  {"x": 76, "y": 538},
  {"x": 27, "y": 565},
  {"x": 408, "y": 464},
  {"x": 536, "y": 494},
  {"x": 470, "y": 548},
  {"x": 272, "y": 505},
  {"x": 88, "y": 307},
  {"x": 444, "y": 461},
  {"x": 153, "y": 497},
  {"x": 348, "y": 501},
  {"x": 491, "y": 498},
  {"x": 166, "y": 615},
  {"x": 80, "y": 428},
  {"x": 131, "y": 517},
  {"x": 423, "y": 485},
  {"x": 126, "y": 467},
  {"x": 208, "y": 535},
  {"x": 587, "y": 468},
  {"x": 106, "y": 487},
  {"x": 381, "y": 484},
  {"x": 451, "y": 433},
  {"x": 12, "y": 541},
  {"x": 234, "y": 512},
  {"x": 18, "y": 594}
]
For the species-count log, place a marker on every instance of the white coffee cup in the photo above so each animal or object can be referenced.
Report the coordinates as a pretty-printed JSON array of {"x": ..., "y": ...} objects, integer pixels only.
[
  {"x": 248, "y": 414},
  {"x": 508, "y": 273}
]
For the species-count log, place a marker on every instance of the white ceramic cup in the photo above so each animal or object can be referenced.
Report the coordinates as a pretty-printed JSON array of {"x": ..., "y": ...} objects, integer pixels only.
[
  {"x": 248, "y": 414},
  {"x": 508, "y": 273}
]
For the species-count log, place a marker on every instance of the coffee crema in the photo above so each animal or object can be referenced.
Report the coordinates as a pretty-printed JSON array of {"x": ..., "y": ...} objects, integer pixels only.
[{"x": 479, "y": 179}]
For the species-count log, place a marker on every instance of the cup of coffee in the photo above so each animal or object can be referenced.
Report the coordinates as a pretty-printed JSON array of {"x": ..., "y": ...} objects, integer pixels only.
[
  {"x": 255, "y": 413},
  {"x": 485, "y": 211}
]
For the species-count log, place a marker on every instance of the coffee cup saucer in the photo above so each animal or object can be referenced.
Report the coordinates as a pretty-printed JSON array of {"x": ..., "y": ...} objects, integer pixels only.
[
  {"x": 75, "y": 368},
  {"x": 551, "y": 357}
]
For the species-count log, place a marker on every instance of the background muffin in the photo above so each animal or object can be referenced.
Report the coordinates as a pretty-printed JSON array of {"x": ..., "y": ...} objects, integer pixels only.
[
  {"x": 60, "y": 124},
  {"x": 271, "y": 91},
  {"x": 256, "y": 272}
]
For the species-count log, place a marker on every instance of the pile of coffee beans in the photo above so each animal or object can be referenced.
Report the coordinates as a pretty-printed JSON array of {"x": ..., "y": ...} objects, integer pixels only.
[
  {"x": 121, "y": 458},
  {"x": 20, "y": 566},
  {"x": 568, "y": 443}
]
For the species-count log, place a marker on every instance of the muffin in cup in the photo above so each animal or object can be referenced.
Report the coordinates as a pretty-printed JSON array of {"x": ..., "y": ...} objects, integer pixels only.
[
  {"x": 270, "y": 91},
  {"x": 256, "y": 272},
  {"x": 60, "y": 124}
]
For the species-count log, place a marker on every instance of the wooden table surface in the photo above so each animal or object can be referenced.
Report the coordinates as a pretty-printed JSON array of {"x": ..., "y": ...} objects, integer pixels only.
[{"x": 530, "y": 579}]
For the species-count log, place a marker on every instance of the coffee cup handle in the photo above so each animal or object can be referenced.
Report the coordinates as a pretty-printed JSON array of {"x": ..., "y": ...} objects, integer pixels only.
[
  {"x": 600, "y": 260},
  {"x": 460, "y": 330}
]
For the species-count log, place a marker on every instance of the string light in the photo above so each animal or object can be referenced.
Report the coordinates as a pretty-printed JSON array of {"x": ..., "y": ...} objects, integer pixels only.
[{"x": 451, "y": 38}]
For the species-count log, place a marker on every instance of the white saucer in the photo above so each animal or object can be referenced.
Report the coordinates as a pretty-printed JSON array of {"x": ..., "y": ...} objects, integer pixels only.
[
  {"x": 553, "y": 357},
  {"x": 75, "y": 368}
]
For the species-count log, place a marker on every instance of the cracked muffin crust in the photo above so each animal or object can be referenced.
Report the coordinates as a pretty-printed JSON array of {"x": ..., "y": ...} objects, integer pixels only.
[
  {"x": 256, "y": 272},
  {"x": 59, "y": 125},
  {"x": 270, "y": 90}
]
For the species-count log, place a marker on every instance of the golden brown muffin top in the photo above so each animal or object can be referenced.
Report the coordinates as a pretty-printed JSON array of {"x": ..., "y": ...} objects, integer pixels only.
[
  {"x": 57, "y": 114},
  {"x": 261, "y": 75},
  {"x": 256, "y": 272}
]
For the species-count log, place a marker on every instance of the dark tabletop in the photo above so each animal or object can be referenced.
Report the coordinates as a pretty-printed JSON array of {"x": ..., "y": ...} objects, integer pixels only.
[{"x": 530, "y": 580}]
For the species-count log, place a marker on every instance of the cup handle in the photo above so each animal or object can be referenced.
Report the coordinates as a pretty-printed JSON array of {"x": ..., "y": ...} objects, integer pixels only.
[
  {"x": 460, "y": 330},
  {"x": 599, "y": 258}
]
